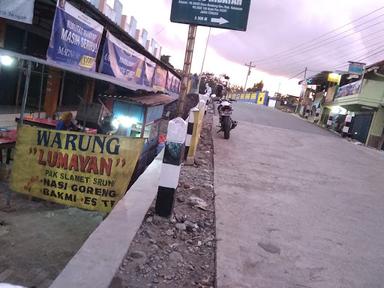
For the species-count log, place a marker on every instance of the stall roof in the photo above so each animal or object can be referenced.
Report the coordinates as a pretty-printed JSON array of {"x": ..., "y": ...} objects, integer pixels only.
[
  {"x": 376, "y": 67},
  {"x": 317, "y": 79},
  {"x": 44, "y": 11},
  {"x": 93, "y": 12},
  {"x": 94, "y": 75},
  {"x": 145, "y": 100}
]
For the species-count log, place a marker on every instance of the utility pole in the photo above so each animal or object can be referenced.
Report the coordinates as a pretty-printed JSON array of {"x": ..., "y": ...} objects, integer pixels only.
[
  {"x": 305, "y": 75},
  {"x": 302, "y": 90},
  {"x": 187, "y": 68},
  {"x": 250, "y": 66}
]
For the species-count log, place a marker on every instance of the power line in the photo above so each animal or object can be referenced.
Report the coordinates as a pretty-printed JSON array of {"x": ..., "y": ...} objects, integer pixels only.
[
  {"x": 322, "y": 44},
  {"x": 362, "y": 58},
  {"x": 369, "y": 56},
  {"x": 294, "y": 62},
  {"x": 321, "y": 36},
  {"x": 358, "y": 58},
  {"x": 368, "y": 46},
  {"x": 315, "y": 59},
  {"x": 294, "y": 76}
]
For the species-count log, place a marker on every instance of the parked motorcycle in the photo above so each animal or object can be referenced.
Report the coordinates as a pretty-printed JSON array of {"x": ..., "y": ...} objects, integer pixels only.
[{"x": 225, "y": 112}]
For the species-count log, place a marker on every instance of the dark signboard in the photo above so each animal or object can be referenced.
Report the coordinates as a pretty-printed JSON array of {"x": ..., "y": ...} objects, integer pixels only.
[{"x": 228, "y": 14}]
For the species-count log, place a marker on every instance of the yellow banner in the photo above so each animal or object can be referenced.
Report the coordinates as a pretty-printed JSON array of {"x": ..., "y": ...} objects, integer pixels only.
[
  {"x": 87, "y": 171},
  {"x": 334, "y": 77},
  {"x": 198, "y": 125},
  {"x": 260, "y": 100}
]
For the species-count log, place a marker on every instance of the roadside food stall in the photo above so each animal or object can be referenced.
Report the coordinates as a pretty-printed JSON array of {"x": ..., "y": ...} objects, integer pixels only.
[
  {"x": 103, "y": 55},
  {"x": 139, "y": 117}
]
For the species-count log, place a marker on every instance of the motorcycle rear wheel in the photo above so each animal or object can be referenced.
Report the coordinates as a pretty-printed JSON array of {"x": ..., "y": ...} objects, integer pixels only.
[{"x": 226, "y": 127}]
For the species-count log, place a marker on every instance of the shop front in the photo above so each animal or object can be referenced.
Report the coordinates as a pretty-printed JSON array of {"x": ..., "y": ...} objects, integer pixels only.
[
  {"x": 139, "y": 117},
  {"x": 363, "y": 99},
  {"x": 69, "y": 54}
]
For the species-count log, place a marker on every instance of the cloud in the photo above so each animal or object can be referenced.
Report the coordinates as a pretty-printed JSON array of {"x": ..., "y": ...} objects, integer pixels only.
[
  {"x": 276, "y": 26},
  {"x": 273, "y": 26}
]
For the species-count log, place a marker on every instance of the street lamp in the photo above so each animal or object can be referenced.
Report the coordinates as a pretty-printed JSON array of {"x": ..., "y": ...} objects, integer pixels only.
[{"x": 6, "y": 60}]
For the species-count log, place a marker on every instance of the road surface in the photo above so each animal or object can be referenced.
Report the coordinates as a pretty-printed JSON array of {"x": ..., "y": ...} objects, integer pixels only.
[{"x": 296, "y": 206}]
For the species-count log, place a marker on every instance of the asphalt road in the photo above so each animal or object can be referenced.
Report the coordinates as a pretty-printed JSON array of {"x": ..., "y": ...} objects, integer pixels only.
[{"x": 296, "y": 206}]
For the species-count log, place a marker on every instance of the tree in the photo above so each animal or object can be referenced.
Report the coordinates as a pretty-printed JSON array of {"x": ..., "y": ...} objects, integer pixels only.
[{"x": 257, "y": 87}]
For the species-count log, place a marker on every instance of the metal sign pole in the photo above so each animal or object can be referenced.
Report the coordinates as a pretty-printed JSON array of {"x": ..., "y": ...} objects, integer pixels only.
[
  {"x": 205, "y": 51},
  {"x": 26, "y": 88},
  {"x": 187, "y": 68},
  {"x": 202, "y": 64},
  {"x": 62, "y": 89},
  {"x": 41, "y": 90}
]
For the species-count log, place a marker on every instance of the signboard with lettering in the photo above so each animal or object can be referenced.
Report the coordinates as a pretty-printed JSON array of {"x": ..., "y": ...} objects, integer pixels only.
[
  {"x": 87, "y": 171},
  {"x": 17, "y": 10},
  {"x": 75, "y": 38},
  {"x": 228, "y": 14},
  {"x": 121, "y": 61}
]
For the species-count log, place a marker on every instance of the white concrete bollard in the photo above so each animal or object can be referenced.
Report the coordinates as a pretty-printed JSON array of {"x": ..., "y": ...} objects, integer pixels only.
[{"x": 170, "y": 170}]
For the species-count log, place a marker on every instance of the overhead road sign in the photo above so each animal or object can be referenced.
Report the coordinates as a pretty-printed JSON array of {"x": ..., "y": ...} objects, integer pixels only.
[{"x": 228, "y": 14}]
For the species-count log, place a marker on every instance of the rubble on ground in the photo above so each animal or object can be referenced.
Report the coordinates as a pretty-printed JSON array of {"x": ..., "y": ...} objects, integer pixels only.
[{"x": 180, "y": 251}]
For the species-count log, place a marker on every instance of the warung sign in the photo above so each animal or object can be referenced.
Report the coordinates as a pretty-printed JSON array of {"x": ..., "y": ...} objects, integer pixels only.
[{"x": 82, "y": 170}]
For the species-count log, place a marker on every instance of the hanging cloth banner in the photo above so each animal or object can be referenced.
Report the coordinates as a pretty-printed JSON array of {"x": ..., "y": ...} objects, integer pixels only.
[
  {"x": 148, "y": 73},
  {"x": 170, "y": 81},
  {"x": 17, "y": 10},
  {"x": 176, "y": 85},
  {"x": 82, "y": 170},
  {"x": 173, "y": 83},
  {"x": 160, "y": 79},
  {"x": 121, "y": 61},
  {"x": 75, "y": 38}
]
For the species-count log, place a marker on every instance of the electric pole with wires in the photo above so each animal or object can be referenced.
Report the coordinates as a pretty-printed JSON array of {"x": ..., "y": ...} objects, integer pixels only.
[{"x": 250, "y": 66}]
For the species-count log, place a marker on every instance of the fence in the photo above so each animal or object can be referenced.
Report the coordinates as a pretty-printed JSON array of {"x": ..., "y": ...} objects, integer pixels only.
[{"x": 260, "y": 98}]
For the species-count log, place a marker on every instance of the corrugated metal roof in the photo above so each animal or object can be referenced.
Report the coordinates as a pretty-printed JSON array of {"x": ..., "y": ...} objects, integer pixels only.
[{"x": 145, "y": 100}]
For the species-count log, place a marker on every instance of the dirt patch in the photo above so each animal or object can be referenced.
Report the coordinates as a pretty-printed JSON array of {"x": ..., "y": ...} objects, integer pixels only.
[
  {"x": 180, "y": 251},
  {"x": 38, "y": 238}
]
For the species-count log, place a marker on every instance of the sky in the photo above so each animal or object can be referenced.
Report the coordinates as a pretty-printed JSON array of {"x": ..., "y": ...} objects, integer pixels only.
[{"x": 275, "y": 27}]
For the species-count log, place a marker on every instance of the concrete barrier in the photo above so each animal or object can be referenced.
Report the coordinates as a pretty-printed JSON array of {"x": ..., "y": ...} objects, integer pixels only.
[{"x": 98, "y": 260}]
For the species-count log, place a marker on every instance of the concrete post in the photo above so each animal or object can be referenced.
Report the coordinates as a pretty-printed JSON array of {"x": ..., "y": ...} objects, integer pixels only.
[
  {"x": 170, "y": 170},
  {"x": 191, "y": 123}
]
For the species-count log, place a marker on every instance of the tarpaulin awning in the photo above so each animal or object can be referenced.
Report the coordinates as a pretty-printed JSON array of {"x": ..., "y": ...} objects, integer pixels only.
[
  {"x": 94, "y": 75},
  {"x": 145, "y": 100}
]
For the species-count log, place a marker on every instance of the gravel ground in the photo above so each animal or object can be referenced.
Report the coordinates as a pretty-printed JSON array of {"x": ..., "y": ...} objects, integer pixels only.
[
  {"x": 180, "y": 251},
  {"x": 38, "y": 238}
]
